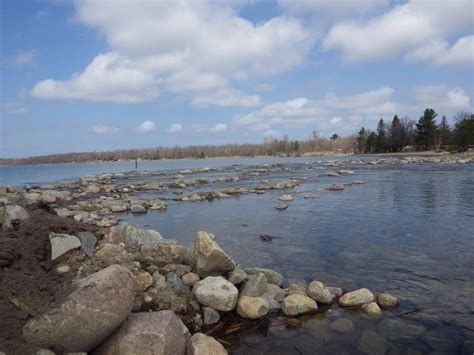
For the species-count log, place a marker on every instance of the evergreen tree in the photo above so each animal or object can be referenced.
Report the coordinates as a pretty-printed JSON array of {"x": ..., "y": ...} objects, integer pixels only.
[
  {"x": 444, "y": 132},
  {"x": 397, "y": 135},
  {"x": 370, "y": 143},
  {"x": 464, "y": 130},
  {"x": 380, "y": 143},
  {"x": 426, "y": 129},
  {"x": 361, "y": 138}
]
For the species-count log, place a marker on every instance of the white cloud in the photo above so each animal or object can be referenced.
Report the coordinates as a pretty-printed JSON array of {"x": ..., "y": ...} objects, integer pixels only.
[
  {"x": 26, "y": 58},
  {"x": 219, "y": 127},
  {"x": 442, "y": 98},
  {"x": 336, "y": 121},
  {"x": 272, "y": 134},
  {"x": 14, "y": 108},
  {"x": 176, "y": 127},
  {"x": 102, "y": 129},
  {"x": 145, "y": 127},
  {"x": 405, "y": 27},
  {"x": 440, "y": 53},
  {"x": 180, "y": 47},
  {"x": 108, "y": 78},
  {"x": 226, "y": 98},
  {"x": 265, "y": 87}
]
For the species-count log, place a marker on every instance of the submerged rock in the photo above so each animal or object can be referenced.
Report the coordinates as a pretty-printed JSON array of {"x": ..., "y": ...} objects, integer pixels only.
[
  {"x": 281, "y": 207},
  {"x": 387, "y": 300},
  {"x": 295, "y": 305},
  {"x": 62, "y": 243},
  {"x": 399, "y": 330},
  {"x": 342, "y": 325},
  {"x": 210, "y": 259},
  {"x": 97, "y": 306},
  {"x": 252, "y": 307},
  {"x": 372, "y": 343},
  {"x": 216, "y": 292},
  {"x": 160, "y": 333},
  {"x": 356, "y": 298},
  {"x": 201, "y": 344}
]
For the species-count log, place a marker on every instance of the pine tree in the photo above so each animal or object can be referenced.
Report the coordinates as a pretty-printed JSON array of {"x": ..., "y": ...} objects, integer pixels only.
[
  {"x": 370, "y": 143},
  {"x": 444, "y": 132},
  {"x": 361, "y": 138},
  {"x": 381, "y": 137},
  {"x": 397, "y": 135},
  {"x": 426, "y": 129}
]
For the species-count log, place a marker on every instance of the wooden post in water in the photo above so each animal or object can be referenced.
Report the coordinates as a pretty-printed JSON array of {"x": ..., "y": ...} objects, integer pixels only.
[{"x": 136, "y": 163}]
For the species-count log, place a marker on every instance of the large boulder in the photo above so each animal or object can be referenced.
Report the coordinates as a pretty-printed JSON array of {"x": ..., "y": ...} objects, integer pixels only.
[
  {"x": 216, "y": 292},
  {"x": 131, "y": 235},
  {"x": 272, "y": 276},
  {"x": 252, "y": 307},
  {"x": 97, "y": 306},
  {"x": 201, "y": 344},
  {"x": 295, "y": 305},
  {"x": 356, "y": 298},
  {"x": 210, "y": 259},
  {"x": 13, "y": 213},
  {"x": 155, "y": 333}
]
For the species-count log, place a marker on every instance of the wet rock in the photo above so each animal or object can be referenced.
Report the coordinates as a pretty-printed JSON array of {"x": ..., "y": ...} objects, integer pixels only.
[
  {"x": 131, "y": 235},
  {"x": 237, "y": 275},
  {"x": 210, "y": 259},
  {"x": 143, "y": 281},
  {"x": 62, "y": 243},
  {"x": 372, "y": 343},
  {"x": 276, "y": 292},
  {"x": 399, "y": 330},
  {"x": 286, "y": 198},
  {"x": 119, "y": 208},
  {"x": 272, "y": 303},
  {"x": 235, "y": 191},
  {"x": 356, "y": 298},
  {"x": 201, "y": 344},
  {"x": 371, "y": 310},
  {"x": 211, "y": 316},
  {"x": 336, "y": 291},
  {"x": 88, "y": 241},
  {"x": 137, "y": 209},
  {"x": 387, "y": 301},
  {"x": 110, "y": 254},
  {"x": 190, "y": 278},
  {"x": 252, "y": 307},
  {"x": 319, "y": 293},
  {"x": 99, "y": 304},
  {"x": 299, "y": 288},
  {"x": 342, "y": 325},
  {"x": 158, "y": 205},
  {"x": 216, "y": 292},
  {"x": 160, "y": 333},
  {"x": 443, "y": 340},
  {"x": 359, "y": 182},
  {"x": 272, "y": 276},
  {"x": 295, "y": 305},
  {"x": 281, "y": 207},
  {"x": 255, "y": 286},
  {"x": 332, "y": 174},
  {"x": 335, "y": 188},
  {"x": 176, "y": 282},
  {"x": 14, "y": 213}
]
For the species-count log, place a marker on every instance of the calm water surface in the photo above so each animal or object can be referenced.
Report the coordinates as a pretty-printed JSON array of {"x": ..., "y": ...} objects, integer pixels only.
[{"x": 409, "y": 230}]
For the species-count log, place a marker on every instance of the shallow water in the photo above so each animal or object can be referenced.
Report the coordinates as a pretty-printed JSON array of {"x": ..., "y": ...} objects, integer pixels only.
[{"x": 408, "y": 230}]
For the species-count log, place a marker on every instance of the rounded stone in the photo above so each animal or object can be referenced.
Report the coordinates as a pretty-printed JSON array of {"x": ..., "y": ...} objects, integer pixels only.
[
  {"x": 295, "y": 305},
  {"x": 252, "y": 307},
  {"x": 216, "y": 292}
]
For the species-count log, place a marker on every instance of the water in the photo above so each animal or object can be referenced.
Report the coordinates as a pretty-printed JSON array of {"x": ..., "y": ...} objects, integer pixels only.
[{"x": 409, "y": 230}]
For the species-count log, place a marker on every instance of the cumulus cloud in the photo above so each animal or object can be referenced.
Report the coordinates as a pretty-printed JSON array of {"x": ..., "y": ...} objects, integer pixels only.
[
  {"x": 442, "y": 98},
  {"x": 102, "y": 129},
  {"x": 272, "y": 134},
  {"x": 14, "y": 108},
  {"x": 405, "y": 27},
  {"x": 180, "y": 47},
  {"x": 219, "y": 127},
  {"x": 26, "y": 58},
  {"x": 176, "y": 127},
  {"x": 145, "y": 127},
  {"x": 226, "y": 98}
]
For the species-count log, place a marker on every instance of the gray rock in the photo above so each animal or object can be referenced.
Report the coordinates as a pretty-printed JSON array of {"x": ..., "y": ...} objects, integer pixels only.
[
  {"x": 387, "y": 300},
  {"x": 295, "y": 305},
  {"x": 356, "y": 298},
  {"x": 138, "y": 209},
  {"x": 372, "y": 343},
  {"x": 178, "y": 269},
  {"x": 444, "y": 340},
  {"x": 190, "y": 278},
  {"x": 237, "y": 275},
  {"x": 92, "y": 189},
  {"x": 13, "y": 213},
  {"x": 110, "y": 254},
  {"x": 62, "y": 243},
  {"x": 252, "y": 307},
  {"x": 97, "y": 306},
  {"x": 299, "y": 288},
  {"x": 272, "y": 303},
  {"x": 319, "y": 293},
  {"x": 216, "y": 292},
  {"x": 201, "y": 344},
  {"x": 176, "y": 282},
  {"x": 156, "y": 333},
  {"x": 119, "y": 208},
  {"x": 210, "y": 259},
  {"x": 255, "y": 286},
  {"x": 277, "y": 293},
  {"x": 88, "y": 241},
  {"x": 399, "y": 330},
  {"x": 272, "y": 276},
  {"x": 336, "y": 291},
  {"x": 131, "y": 235},
  {"x": 159, "y": 281},
  {"x": 211, "y": 316},
  {"x": 342, "y": 325}
]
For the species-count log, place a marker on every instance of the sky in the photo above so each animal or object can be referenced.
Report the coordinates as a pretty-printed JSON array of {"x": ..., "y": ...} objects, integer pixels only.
[{"x": 95, "y": 75}]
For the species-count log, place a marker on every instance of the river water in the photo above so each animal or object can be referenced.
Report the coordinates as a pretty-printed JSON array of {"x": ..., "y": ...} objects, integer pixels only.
[{"x": 409, "y": 230}]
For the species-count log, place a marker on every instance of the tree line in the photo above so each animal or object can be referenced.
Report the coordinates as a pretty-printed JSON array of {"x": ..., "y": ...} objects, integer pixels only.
[{"x": 425, "y": 134}]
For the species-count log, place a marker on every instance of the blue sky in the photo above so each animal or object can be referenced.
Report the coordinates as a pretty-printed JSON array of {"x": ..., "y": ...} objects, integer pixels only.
[{"x": 103, "y": 75}]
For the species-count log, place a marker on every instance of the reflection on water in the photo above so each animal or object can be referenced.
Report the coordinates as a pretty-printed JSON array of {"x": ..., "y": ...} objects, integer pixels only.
[{"x": 409, "y": 230}]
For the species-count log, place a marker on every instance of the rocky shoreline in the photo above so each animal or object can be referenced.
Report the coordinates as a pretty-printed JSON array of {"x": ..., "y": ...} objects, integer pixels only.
[{"x": 117, "y": 288}]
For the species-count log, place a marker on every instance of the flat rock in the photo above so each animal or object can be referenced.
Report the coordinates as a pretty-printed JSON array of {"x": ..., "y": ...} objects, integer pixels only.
[
  {"x": 13, "y": 213},
  {"x": 138, "y": 209},
  {"x": 201, "y": 344},
  {"x": 295, "y": 305},
  {"x": 319, "y": 293},
  {"x": 155, "y": 333},
  {"x": 97, "y": 306},
  {"x": 399, "y": 330},
  {"x": 216, "y": 292},
  {"x": 356, "y": 298},
  {"x": 62, "y": 243},
  {"x": 255, "y": 286},
  {"x": 252, "y": 307},
  {"x": 210, "y": 259},
  {"x": 88, "y": 241},
  {"x": 272, "y": 276},
  {"x": 131, "y": 235}
]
